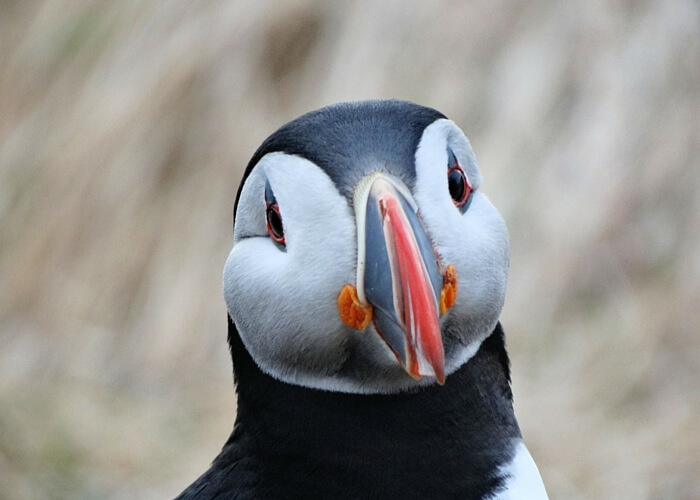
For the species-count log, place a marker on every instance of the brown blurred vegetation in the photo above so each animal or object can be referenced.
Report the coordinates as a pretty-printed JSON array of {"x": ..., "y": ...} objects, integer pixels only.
[{"x": 124, "y": 127}]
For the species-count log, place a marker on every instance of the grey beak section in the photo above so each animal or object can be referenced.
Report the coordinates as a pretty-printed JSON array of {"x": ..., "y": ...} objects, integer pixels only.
[{"x": 378, "y": 282}]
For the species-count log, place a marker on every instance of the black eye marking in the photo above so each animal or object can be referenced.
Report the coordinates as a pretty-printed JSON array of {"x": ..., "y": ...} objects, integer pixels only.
[
  {"x": 457, "y": 182},
  {"x": 275, "y": 228}
]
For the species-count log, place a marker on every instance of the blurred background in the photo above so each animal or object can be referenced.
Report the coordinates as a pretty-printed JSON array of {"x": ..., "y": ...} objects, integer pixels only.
[{"x": 124, "y": 129}]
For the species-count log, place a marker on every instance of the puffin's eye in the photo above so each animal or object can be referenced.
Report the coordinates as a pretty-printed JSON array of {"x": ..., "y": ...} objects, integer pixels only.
[
  {"x": 274, "y": 219},
  {"x": 274, "y": 223},
  {"x": 460, "y": 189}
]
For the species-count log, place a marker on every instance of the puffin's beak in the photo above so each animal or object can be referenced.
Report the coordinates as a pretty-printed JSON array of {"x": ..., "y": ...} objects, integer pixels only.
[{"x": 398, "y": 274}]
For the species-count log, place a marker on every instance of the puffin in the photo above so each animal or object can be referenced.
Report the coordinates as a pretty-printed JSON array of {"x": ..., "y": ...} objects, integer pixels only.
[{"x": 363, "y": 290}]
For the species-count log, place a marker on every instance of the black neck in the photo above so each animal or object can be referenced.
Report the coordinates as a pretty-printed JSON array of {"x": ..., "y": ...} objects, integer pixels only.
[
  {"x": 409, "y": 445},
  {"x": 488, "y": 371}
]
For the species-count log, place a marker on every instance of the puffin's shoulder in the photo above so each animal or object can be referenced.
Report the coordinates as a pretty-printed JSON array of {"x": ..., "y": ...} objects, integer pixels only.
[{"x": 521, "y": 477}]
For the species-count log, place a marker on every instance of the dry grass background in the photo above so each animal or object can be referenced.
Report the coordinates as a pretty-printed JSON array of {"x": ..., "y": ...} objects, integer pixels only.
[{"x": 124, "y": 127}]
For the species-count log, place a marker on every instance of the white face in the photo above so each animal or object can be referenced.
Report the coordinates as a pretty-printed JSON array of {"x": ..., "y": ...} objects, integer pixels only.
[{"x": 283, "y": 299}]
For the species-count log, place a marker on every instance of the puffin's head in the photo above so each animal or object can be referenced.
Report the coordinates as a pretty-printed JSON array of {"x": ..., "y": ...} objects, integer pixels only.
[{"x": 365, "y": 259}]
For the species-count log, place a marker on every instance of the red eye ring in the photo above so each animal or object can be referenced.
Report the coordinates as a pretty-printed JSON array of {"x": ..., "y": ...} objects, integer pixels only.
[
  {"x": 274, "y": 223},
  {"x": 458, "y": 184}
]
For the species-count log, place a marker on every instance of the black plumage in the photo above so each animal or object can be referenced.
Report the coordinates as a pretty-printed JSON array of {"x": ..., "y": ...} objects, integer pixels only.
[
  {"x": 433, "y": 442},
  {"x": 349, "y": 140}
]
